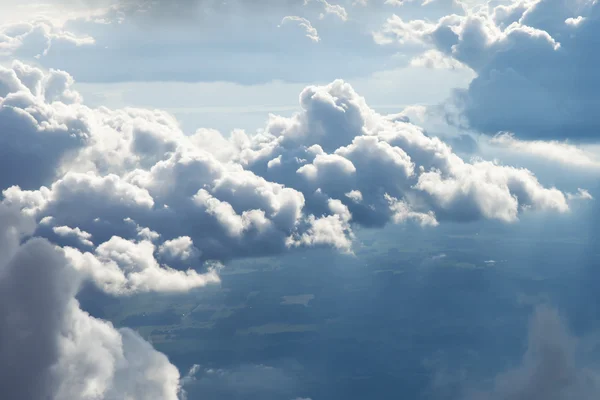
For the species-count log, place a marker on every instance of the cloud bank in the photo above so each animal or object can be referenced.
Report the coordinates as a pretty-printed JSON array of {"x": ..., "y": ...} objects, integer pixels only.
[
  {"x": 125, "y": 200},
  {"x": 553, "y": 97},
  {"x": 303, "y": 180}
]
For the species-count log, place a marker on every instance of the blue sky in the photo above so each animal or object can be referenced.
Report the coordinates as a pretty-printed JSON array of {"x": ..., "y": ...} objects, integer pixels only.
[{"x": 145, "y": 145}]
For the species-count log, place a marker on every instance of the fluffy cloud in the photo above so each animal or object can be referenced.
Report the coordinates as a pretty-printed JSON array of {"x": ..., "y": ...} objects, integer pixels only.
[
  {"x": 66, "y": 353},
  {"x": 338, "y": 145},
  {"x": 181, "y": 248},
  {"x": 121, "y": 266},
  {"x": 40, "y": 124},
  {"x": 303, "y": 181},
  {"x": 435, "y": 59},
  {"x": 552, "y": 98},
  {"x": 35, "y": 38},
  {"x": 83, "y": 236},
  {"x": 159, "y": 204}
]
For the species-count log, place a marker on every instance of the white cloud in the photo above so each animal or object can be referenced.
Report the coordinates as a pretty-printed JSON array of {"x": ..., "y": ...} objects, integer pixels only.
[
  {"x": 147, "y": 233},
  {"x": 304, "y": 180},
  {"x": 574, "y": 21},
  {"x": 83, "y": 236},
  {"x": 355, "y": 196},
  {"x": 311, "y": 31},
  {"x": 581, "y": 194},
  {"x": 560, "y": 151},
  {"x": 131, "y": 177},
  {"x": 332, "y": 230},
  {"x": 397, "y": 30},
  {"x": 435, "y": 59},
  {"x": 333, "y": 9},
  {"x": 550, "y": 100},
  {"x": 35, "y": 38},
  {"x": 121, "y": 266},
  {"x": 181, "y": 248},
  {"x": 67, "y": 354},
  {"x": 402, "y": 213}
]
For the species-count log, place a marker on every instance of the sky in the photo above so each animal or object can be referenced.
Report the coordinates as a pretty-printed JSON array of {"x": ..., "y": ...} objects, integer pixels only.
[{"x": 146, "y": 145}]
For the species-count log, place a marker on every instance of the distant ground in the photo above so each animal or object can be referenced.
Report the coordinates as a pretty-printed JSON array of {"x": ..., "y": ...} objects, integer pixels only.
[{"x": 386, "y": 323}]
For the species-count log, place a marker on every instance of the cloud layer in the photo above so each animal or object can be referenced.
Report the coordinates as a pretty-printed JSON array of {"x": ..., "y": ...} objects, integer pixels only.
[
  {"x": 125, "y": 200},
  {"x": 551, "y": 98},
  {"x": 335, "y": 164}
]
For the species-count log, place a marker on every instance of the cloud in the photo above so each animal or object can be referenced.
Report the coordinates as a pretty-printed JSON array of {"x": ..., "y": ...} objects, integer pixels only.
[
  {"x": 83, "y": 236},
  {"x": 402, "y": 2},
  {"x": 333, "y": 9},
  {"x": 550, "y": 99},
  {"x": 332, "y": 230},
  {"x": 549, "y": 368},
  {"x": 297, "y": 183},
  {"x": 311, "y": 31},
  {"x": 267, "y": 382},
  {"x": 574, "y": 21},
  {"x": 435, "y": 59},
  {"x": 562, "y": 152},
  {"x": 159, "y": 204},
  {"x": 124, "y": 267},
  {"x": 66, "y": 353},
  {"x": 188, "y": 10},
  {"x": 581, "y": 194},
  {"x": 35, "y": 38},
  {"x": 181, "y": 248},
  {"x": 37, "y": 127},
  {"x": 221, "y": 32},
  {"x": 338, "y": 144}
]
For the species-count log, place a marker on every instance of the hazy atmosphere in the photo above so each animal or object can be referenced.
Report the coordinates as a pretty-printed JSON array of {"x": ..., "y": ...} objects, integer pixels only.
[{"x": 299, "y": 200}]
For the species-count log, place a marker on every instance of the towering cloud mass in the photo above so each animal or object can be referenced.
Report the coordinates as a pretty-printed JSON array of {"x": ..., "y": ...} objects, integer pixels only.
[
  {"x": 49, "y": 347},
  {"x": 133, "y": 204},
  {"x": 535, "y": 73},
  {"x": 335, "y": 164}
]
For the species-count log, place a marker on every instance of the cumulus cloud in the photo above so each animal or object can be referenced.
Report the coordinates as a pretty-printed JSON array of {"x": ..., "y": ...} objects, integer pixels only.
[
  {"x": 66, "y": 353},
  {"x": 35, "y": 38},
  {"x": 311, "y": 31},
  {"x": 305, "y": 180},
  {"x": 549, "y": 99},
  {"x": 83, "y": 236},
  {"x": 181, "y": 248},
  {"x": 160, "y": 204},
  {"x": 121, "y": 266},
  {"x": 38, "y": 126},
  {"x": 338, "y": 144}
]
